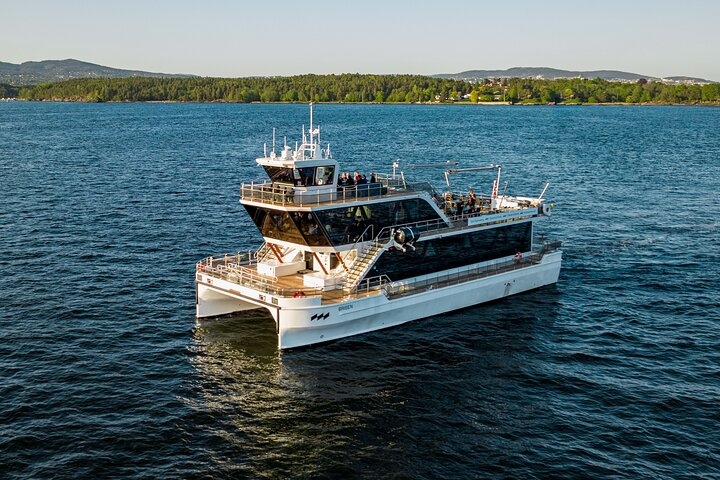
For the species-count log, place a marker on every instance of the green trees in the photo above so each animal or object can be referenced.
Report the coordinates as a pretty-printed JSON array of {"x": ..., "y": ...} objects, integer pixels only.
[
  {"x": 361, "y": 88},
  {"x": 711, "y": 93},
  {"x": 8, "y": 91},
  {"x": 269, "y": 95}
]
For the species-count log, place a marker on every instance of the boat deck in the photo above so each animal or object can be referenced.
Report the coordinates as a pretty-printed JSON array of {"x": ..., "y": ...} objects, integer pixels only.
[
  {"x": 290, "y": 285},
  {"x": 226, "y": 268},
  {"x": 294, "y": 283}
]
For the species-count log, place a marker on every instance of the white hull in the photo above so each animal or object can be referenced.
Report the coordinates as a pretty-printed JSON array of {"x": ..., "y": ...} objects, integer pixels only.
[{"x": 304, "y": 321}]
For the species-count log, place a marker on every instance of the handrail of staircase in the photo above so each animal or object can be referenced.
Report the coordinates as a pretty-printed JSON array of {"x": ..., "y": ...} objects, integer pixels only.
[{"x": 370, "y": 227}]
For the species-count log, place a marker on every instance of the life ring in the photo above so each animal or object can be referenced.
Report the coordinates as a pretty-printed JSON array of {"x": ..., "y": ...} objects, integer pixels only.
[
  {"x": 518, "y": 257},
  {"x": 299, "y": 294},
  {"x": 201, "y": 267}
]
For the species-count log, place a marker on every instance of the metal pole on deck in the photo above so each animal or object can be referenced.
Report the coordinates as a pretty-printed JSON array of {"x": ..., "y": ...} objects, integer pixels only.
[{"x": 544, "y": 189}]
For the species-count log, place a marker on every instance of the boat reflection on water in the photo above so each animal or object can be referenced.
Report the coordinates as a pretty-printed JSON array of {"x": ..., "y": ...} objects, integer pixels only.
[
  {"x": 381, "y": 403},
  {"x": 249, "y": 333}
]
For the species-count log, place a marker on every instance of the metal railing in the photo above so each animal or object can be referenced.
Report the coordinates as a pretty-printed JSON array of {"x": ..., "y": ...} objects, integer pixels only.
[
  {"x": 369, "y": 285},
  {"x": 361, "y": 238},
  {"x": 237, "y": 269},
  {"x": 402, "y": 288},
  {"x": 359, "y": 268},
  {"x": 456, "y": 222},
  {"x": 280, "y": 194}
]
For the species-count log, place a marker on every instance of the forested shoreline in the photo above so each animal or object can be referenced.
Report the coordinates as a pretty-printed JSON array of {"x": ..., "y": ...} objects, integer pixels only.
[{"x": 359, "y": 88}]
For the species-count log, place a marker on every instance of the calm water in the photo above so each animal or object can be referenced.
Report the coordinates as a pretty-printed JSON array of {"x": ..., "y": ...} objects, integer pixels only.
[{"x": 104, "y": 373}]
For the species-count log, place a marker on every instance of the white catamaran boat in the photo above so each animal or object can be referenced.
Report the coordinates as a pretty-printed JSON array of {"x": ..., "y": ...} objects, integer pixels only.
[{"x": 341, "y": 260}]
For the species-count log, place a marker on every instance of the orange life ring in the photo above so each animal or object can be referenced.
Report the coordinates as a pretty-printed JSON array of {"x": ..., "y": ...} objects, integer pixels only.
[{"x": 299, "y": 294}]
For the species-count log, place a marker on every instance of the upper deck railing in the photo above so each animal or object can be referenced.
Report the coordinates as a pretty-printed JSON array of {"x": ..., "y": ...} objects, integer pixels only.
[
  {"x": 453, "y": 222},
  {"x": 286, "y": 195}
]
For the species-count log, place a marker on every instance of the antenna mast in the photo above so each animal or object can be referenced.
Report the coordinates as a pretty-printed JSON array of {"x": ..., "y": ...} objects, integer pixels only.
[{"x": 311, "y": 124}]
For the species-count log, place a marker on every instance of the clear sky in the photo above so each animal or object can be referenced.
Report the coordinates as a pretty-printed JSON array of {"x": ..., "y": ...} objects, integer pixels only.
[{"x": 244, "y": 38}]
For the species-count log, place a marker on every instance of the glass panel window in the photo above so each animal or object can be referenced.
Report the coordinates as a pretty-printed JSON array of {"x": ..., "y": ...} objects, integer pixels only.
[
  {"x": 280, "y": 174},
  {"x": 304, "y": 177},
  {"x": 310, "y": 229},
  {"x": 344, "y": 225},
  {"x": 296, "y": 227},
  {"x": 324, "y": 175},
  {"x": 275, "y": 224},
  {"x": 456, "y": 251}
]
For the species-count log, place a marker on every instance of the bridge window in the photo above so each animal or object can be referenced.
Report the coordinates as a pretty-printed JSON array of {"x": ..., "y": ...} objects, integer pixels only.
[{"x": 280, "y": 174}]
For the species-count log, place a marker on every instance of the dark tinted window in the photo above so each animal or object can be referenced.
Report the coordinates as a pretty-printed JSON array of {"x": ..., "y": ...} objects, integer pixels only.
[
  {"x": 304, "y": 177},
  {"x": 310, "y": 229},
  {"x": 279, "y": 174},
  {"x": 295, "y": 227},
  {"x": 452, "y": 252},
  {"x": 345, "y": 225},
  {"x": 301, "y": 177}
]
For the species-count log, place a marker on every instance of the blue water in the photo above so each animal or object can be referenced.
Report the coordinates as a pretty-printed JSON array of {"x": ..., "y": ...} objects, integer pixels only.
[{"x": 105, "y": 374}]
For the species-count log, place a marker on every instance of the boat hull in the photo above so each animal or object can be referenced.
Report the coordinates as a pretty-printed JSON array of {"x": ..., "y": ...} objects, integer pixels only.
[{"x": 303, "y": 322}]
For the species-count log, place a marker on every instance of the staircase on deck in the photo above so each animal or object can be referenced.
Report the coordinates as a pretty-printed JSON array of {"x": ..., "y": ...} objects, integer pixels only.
[{"x": 362, "y": 264}]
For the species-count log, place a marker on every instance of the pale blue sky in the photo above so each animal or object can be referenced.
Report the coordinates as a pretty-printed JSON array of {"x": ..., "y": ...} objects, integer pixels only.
[{"x": 226, "y": 38}]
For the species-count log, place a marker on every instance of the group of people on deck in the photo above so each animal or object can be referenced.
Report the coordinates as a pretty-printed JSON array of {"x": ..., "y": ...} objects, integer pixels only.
[
  {"x": 347, "y": 180},
  {"x": 469, "y": 205}
]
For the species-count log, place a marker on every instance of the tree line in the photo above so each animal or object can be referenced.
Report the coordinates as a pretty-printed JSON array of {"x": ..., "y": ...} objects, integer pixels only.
[
  {"x": 300, "y": 88},
  {"x": 577, "y": 90},
  {"x": 363, "y": 89}
]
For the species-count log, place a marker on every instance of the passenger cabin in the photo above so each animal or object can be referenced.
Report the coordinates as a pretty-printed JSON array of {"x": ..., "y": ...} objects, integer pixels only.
[
  {"x": 329, "y": 235},
  {"x": 315, "y": 226}
]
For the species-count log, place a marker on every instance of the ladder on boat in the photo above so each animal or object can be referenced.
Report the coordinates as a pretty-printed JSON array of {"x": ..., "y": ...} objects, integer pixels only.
[{"x": 362, "y": 264}]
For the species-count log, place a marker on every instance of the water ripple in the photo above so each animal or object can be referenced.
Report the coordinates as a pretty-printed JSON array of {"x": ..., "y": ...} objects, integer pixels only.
[{"x": 104, "y": 373}]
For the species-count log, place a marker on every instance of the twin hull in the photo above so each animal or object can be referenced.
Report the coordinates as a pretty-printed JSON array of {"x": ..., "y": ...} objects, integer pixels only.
[{"x": 305, "y": 321}]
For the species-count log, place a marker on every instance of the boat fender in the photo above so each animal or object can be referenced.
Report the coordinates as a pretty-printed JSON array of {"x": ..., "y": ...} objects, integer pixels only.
[{"x": 545, "y": 209}]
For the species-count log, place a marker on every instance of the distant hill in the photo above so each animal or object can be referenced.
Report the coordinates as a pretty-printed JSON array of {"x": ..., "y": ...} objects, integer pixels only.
[
  {"x": 30, "y": 73},
  {"x": 545, "y": 73}
]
